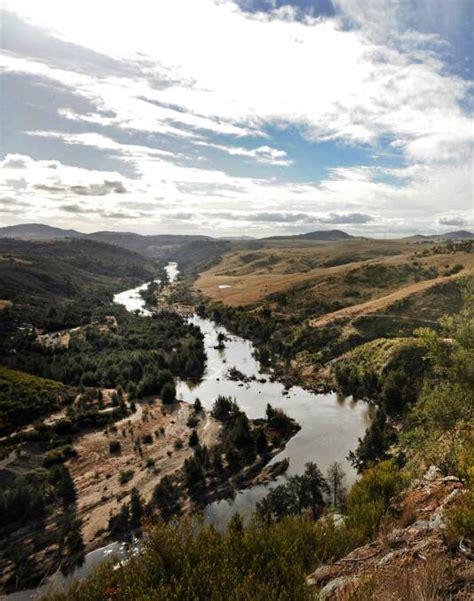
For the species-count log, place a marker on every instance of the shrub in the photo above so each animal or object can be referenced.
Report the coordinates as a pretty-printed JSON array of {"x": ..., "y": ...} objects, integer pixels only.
[
  {"x": 125, "y": 476},
  {"x": 59, "y": 455},
  {"x": 115, "y": 447}
]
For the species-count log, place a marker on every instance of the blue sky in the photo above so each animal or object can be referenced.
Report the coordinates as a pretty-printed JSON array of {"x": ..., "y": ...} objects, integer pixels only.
[{"x": 251, "y": 117}]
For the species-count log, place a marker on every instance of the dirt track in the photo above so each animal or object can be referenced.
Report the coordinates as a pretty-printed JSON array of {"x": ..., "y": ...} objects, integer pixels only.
[{"x": 384, "y": 301}]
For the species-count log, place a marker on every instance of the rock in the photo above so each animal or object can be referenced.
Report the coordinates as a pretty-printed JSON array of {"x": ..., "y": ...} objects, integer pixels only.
[
  {"x": 321, "y": 575},
  {"x": 432, "y": 474},
  {"x": 335, "y": 585}
]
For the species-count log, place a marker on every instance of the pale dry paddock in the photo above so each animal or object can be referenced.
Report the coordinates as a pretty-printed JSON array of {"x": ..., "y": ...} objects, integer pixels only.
[{"x": 281, "y": 267}]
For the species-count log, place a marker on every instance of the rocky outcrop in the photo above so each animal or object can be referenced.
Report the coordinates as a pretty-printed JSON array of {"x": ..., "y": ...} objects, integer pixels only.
[{"x": 409, "y": 560}]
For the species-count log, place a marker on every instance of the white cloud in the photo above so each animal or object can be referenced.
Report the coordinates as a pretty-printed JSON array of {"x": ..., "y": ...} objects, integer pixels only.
[{"x": 202, "y": 72}]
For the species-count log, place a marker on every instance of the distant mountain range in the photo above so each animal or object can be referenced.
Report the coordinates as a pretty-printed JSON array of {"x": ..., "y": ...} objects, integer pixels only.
[
  {"x": 323, "y": 235},
  {"x": 457, "y": 235},
  {"x": 150, "y": 244}
]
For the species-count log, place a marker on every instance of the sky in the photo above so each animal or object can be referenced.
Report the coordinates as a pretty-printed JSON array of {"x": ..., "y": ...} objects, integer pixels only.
[{"x": 230, "y": 118}]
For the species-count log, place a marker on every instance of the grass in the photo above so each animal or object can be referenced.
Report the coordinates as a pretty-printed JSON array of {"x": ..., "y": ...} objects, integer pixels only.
[{"x": 24, "y": 398}]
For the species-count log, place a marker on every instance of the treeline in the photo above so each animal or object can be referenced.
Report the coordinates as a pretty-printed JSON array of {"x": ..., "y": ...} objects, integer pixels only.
[
  {"x": 185, "y": 560},
  {"x": 24, "y": 398},
  {"x": 41, "y": 502},
  {"x": 131, "y": 355}
]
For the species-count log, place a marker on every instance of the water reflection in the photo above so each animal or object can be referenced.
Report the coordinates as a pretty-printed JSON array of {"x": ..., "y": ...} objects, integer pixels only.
[{"x": 330, "y": 424}]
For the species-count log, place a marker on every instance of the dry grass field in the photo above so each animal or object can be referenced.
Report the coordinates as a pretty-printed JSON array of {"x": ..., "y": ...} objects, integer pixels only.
[{"x": 366, "y": 275}]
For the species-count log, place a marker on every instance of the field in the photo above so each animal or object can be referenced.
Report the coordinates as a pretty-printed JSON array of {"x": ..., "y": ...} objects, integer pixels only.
[{"x": 364, "y": 274}]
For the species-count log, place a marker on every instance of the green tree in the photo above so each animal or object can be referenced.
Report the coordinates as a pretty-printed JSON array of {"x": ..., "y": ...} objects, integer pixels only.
[
  {"x": 136, "y": 508},
  {"x": 168, "y": 393},
  {"x": 166, "y": 497},
  {"x": 335, "y": 479},
  {"x": 193, "y": 439}
]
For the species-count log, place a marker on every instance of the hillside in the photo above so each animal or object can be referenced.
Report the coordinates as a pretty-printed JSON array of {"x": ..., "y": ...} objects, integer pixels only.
[
  {"x": 38, "y": 275},
  {"x": 37, "y": 231},
  {"x": 322, "y": 235},
  {"x": 65, "y": 267},
  {"x": 456, "y": 235}
]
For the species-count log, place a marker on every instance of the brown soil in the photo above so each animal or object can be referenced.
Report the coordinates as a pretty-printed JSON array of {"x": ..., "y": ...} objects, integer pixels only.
[{"x": 96, "y": 471}]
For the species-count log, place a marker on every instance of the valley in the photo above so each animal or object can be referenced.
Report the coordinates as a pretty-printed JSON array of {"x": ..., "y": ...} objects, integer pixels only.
[{"x": 318, "y": 342}]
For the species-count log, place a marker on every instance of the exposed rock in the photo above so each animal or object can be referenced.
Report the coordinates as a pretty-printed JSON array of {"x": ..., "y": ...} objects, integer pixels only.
[
  {"x": 411, "y": 548},
  {"x": 341, "y": 582}
]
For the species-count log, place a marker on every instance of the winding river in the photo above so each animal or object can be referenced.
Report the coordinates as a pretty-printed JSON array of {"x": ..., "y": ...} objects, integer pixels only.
[{"x": 330, "y": 424}]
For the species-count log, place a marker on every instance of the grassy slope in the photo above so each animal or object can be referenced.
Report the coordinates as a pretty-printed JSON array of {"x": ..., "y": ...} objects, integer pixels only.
[
  {"x": 35, "y": 272},
  {"x": 24, "y": 397},
  {"x": 326, "y": 270}
]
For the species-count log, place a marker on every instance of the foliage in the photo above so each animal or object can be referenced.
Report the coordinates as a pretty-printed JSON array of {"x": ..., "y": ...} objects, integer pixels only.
[
  {"x": 440, "y": 425},
  {"x": 186, "y": 560},
  {"x": 300, "y": 493},
  {"x": 23, "y": 398}
]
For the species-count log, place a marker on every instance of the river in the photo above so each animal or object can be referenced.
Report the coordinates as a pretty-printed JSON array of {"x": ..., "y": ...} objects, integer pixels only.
[{"x": 330, "y": 424}]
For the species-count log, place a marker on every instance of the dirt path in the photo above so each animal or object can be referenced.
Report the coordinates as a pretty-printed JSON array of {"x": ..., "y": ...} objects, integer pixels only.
[{"x": 383, "y": 301}]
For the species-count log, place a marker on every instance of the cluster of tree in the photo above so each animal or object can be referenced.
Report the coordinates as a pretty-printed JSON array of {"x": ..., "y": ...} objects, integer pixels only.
[
  {"x": 187, "y": 559},
  {"x": 389, "y": 275},
  {"x": 304, "y": 493},
  {"x": 32, "y": 496},
  {"x": 24, "y": 398},
  {"x": 142, "y": 354}
]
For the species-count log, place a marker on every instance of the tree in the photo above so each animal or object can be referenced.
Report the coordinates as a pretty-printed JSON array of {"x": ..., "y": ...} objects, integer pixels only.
[
  {"x": 168, "y": 393},
  {"x": 193, "y": 439},
  {"x": 197, "y": 406},
  {"x": 136, "y": 508},
  {"x": 314, "y": 485},
  {"x": 224, "y": 408},
  {"x": 166, "y": 497},
  {"x": 65, "y": 487},
  {"x": 335, "y": 480},
  {"x": 194, "y": 477}
]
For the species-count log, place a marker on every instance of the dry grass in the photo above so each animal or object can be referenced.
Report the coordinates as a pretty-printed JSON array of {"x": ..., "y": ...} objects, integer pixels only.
[
  {"x": 423, "y": 581},
  {"x": 251, "y": 276}
]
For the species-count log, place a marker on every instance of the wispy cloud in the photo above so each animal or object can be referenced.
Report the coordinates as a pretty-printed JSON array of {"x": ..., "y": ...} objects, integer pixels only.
[{"x": 204, "y": 103}]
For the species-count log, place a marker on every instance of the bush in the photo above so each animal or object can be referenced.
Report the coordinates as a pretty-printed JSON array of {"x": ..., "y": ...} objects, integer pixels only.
[
  {"x": 370, "y": 497},
  {"x": 168, "y": 393},
  {"x": 59, "y": 455},
  {"x": 125, "y": 476},
  {"x": 115, "y": 447}
]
